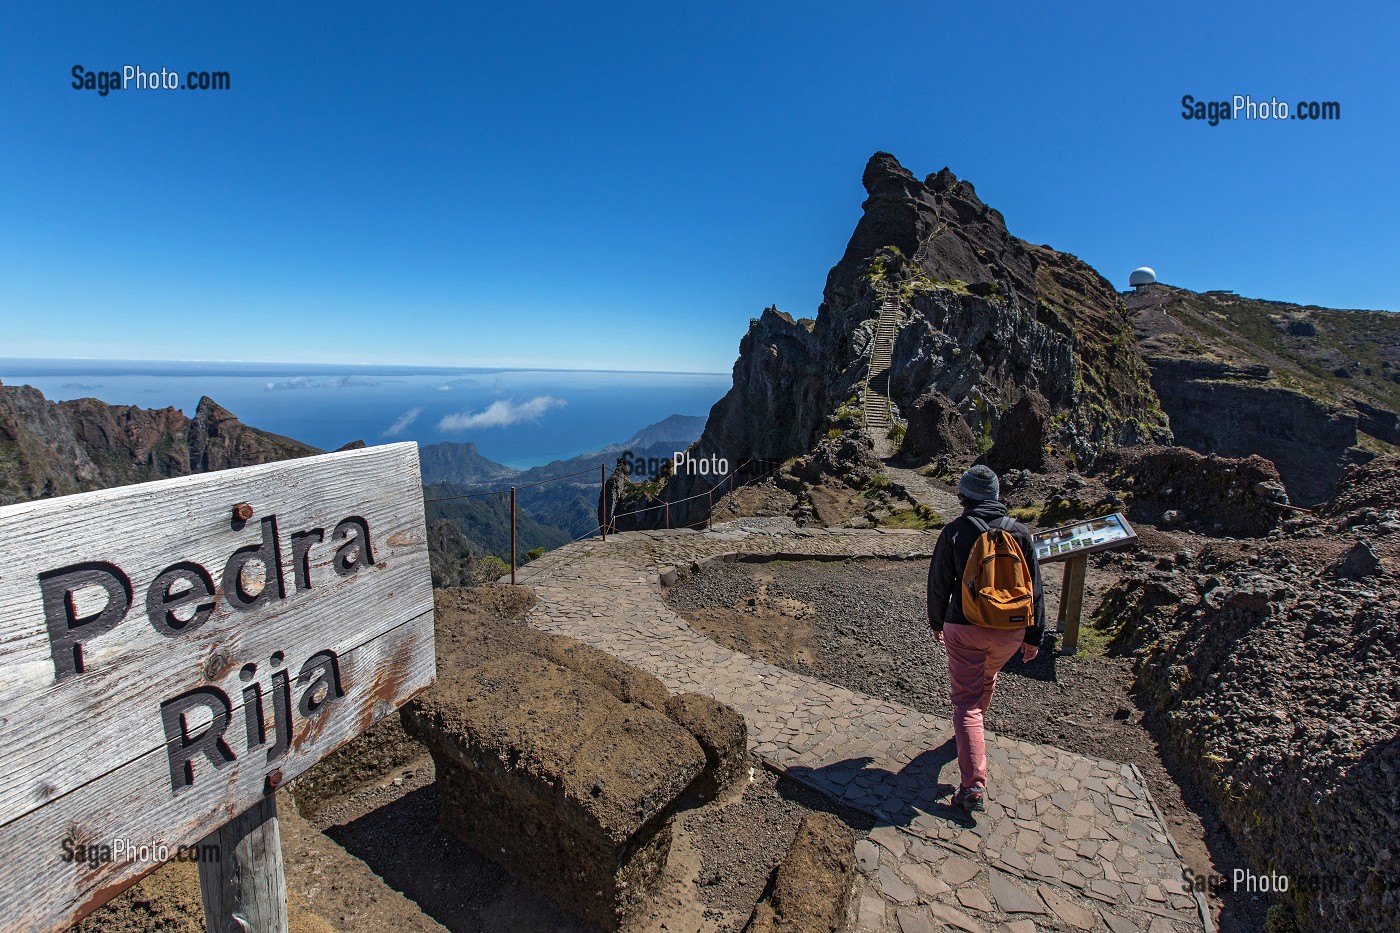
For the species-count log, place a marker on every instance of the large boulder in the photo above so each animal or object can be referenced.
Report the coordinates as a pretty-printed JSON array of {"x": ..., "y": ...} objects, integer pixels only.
[
  {"x": 564, "y": 784},
  {"x": 722, "y": 734},
  {"x": 627, "y": 683},
  {"x": 1176, "y": 485},
  {"x": 935, "y": 428},
  {"x": 1022, "y": 436}
]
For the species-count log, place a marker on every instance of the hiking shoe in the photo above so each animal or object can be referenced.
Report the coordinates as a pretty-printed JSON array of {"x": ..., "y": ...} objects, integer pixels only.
[{"x": 970, "y": 799}]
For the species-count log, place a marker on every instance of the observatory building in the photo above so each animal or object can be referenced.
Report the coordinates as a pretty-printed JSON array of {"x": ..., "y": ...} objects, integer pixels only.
[{"x": 1142, "y": 276}]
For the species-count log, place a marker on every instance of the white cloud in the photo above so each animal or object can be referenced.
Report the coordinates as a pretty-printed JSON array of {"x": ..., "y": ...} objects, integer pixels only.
[
  {"x": 500, "y": 413},
  {"x": 402, "y": 422}
]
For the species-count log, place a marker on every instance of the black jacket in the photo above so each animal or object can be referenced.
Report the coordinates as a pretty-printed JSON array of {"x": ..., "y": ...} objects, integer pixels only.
[{"x": 950, "y": 557}]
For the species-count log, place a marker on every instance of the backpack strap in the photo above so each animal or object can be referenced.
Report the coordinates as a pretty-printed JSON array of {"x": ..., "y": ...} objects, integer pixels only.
[{"x": 981, "y": 526}]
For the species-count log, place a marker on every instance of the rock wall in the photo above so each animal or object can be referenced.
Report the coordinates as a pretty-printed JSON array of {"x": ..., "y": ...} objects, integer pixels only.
[
  {"x": 1215, "y": 408},
  {"x": 1175, "y": 486},
  {"x": 1297, "y": 384},
  {"x": 1271, "y": 674}
]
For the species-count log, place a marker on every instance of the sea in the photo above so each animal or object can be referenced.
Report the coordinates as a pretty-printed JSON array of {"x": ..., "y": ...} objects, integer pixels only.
[{"x": 519, "y": 417}]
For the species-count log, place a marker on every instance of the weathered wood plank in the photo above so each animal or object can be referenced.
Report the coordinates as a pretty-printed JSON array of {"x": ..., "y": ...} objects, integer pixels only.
[
  {"x": 246, "y": 889},
  {"x": 39, "y": 891},
  {"x": 1072, "y": 602},
  {"x": 62, "y": 732},
  {"x": 171, "y": 652}
]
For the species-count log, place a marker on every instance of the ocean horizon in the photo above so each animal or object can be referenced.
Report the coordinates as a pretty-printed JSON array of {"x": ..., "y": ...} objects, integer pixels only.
[{"x": 520, "y": 417}]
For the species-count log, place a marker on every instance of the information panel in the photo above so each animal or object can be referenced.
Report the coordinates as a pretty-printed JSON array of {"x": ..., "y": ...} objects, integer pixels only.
[{"x": 1095, "y": 534}]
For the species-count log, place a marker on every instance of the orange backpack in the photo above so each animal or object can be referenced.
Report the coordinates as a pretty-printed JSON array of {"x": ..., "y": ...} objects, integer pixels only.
[{"x": 997, "y": 588}]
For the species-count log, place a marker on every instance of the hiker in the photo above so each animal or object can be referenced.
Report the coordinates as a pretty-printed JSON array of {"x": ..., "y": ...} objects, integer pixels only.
[{"x": 1007, "y": 608}]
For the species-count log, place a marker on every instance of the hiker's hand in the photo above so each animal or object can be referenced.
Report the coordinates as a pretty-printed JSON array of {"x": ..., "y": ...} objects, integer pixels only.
[
  {"x": 1028, "y": 653},
  {"x": 938, "y": 636}
]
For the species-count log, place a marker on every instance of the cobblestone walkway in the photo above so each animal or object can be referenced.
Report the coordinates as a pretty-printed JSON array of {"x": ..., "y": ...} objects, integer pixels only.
[{"x": 1067, "y": 842}]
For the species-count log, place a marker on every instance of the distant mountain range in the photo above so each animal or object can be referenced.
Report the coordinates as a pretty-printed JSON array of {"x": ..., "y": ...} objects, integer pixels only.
[
  {"x": 462, "y": 463},
  {"x": 52, "y": 448},
  {"x": 565, "y": 503}
]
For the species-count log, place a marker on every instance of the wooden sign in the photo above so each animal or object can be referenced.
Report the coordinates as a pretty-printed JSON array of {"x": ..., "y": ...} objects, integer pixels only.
[{"x": 171, "y": 652}]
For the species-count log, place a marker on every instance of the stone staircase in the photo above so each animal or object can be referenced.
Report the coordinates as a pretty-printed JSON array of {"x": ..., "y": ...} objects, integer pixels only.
[{"x": 878, "y": 413}]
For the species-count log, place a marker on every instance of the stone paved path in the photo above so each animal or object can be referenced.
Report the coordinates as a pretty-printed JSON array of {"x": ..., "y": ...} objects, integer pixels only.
[{"x": 1067, "y": 843}]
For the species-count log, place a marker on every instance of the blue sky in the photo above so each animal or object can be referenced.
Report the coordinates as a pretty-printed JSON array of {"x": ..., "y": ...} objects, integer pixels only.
[{"x": 624, "y": 185}]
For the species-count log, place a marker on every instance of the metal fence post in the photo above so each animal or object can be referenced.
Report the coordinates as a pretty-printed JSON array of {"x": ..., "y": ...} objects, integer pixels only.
[
  {"x": 603, "y": 475},
  {"x": 512, "y": 536}
]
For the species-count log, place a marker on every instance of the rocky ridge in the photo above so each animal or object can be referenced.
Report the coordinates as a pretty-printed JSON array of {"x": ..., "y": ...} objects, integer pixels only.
[
  {"x": 57, "y": 448},
  {"x": 985, "y": 320},
  {"x": 1312, "y": 389}
]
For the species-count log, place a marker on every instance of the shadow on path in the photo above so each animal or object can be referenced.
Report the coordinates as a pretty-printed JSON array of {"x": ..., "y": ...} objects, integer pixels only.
[{"x": 896, "y": 798}]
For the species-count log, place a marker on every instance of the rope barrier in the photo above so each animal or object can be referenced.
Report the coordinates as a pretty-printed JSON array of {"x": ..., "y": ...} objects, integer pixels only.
[
  {"x": 732, "y": 473},
  {"x": 547, "y": 572},
  {"x": 506, "y": 491},
  {"x": 527, "y": 577}
]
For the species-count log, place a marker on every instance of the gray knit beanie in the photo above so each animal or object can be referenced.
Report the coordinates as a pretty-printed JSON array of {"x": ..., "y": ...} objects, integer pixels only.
[{"x": 979, "y": 484}]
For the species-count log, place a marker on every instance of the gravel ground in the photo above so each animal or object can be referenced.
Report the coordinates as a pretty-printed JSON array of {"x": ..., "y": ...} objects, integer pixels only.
[
  {"x": 863, "y": 625},
  {"x": 741, "y": 841}
]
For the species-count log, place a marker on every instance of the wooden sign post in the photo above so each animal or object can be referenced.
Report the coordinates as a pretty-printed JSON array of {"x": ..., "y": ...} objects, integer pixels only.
[
  {"x": 1073, "y": 544},
  {"x": 173, "y": 652}
]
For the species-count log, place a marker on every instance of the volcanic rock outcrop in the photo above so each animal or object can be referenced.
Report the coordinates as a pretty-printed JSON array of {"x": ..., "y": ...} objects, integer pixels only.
[
  {"x": 983, "y": 319},
  {"x": 1270, "y": 672},
  {"x": 936, "y": 429},
  {"x": 563, "y": 763},
  {"x": 56, "y": 448},
  {"x": 1175, "y": 486},
  {"x": 1312, "y": 389}
]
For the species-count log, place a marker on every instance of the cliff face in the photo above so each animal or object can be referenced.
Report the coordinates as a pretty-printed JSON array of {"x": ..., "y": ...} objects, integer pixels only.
[
  {"x": 984, "y": 319},
  {"x": 1312, "y": 389},
  {"x": 56, "y": 448}
]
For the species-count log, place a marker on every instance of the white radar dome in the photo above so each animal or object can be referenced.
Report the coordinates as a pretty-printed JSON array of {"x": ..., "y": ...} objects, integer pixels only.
[{"x": 1140, "y": 277}]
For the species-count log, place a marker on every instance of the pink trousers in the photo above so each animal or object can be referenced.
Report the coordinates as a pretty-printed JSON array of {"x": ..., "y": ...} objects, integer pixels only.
[{"x": 975, "y": 656}]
